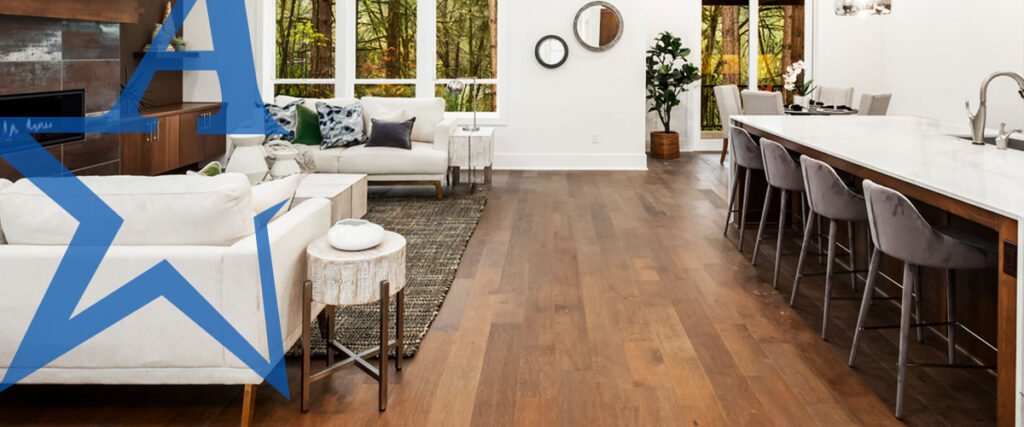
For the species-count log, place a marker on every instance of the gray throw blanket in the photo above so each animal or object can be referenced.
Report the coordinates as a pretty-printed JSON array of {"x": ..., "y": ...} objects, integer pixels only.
[{"x": 305, "y": 159}]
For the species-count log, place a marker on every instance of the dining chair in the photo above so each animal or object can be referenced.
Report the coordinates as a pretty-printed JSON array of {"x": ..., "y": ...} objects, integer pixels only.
[
  {"x": 874, "y": 104},
  {"x": 761, "y": 103},
  {"x": 831, "y": 95},
  {"x": 728, "y": 99}
]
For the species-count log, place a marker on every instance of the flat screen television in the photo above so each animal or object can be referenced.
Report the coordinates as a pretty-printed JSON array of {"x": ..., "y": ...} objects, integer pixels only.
[{"x": 67, "y": 103}]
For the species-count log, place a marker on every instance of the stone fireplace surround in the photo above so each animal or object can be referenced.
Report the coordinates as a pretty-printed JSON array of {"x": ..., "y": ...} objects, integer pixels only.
[{"x": 46, "y": 54}]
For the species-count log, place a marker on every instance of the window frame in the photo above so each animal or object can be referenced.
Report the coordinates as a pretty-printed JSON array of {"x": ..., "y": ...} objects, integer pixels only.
[{"x": 426, "y": 79}]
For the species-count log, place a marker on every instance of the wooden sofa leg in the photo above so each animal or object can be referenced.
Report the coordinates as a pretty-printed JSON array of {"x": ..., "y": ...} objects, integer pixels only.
[
  {"x": 440, "y": 193},
  {"x": 248, "y": 405}
]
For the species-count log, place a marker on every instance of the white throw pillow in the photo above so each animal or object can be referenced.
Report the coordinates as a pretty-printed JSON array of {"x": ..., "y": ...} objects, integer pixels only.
[
  {"x": 268, "y": 194},
  {"x": 3, "y": 184},
  {"x": 427, "y": 111},
  {"x": 387, "y": 116}
]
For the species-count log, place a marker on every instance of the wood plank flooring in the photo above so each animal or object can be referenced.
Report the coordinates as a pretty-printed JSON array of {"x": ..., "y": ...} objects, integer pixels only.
[{"x": 595, "y": 298}]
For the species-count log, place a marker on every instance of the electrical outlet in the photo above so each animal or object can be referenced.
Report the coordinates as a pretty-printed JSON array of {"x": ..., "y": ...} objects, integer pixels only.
[{"x": 595, "y": 138}]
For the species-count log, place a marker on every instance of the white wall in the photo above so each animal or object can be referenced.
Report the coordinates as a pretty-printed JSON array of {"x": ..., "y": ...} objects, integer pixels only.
[
  {"x": 682, "y": 18},
  {"x": 553, "y": 115},
  {"x": 931, "y": 55}
]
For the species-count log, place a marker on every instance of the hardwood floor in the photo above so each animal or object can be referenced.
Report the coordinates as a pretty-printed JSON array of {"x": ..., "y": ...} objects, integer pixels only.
[{"x": 596, "y": 298}]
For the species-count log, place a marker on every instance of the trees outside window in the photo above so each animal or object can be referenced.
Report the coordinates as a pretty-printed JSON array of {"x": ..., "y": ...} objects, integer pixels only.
[{"x": 382, "y": 49}]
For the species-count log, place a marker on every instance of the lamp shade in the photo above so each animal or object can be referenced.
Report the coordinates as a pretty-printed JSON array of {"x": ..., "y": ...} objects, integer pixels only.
[{"x": 863, "y": 7}]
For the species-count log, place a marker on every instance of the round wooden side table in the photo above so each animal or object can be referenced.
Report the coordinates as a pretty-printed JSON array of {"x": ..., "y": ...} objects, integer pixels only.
[{"x": 340, "y": 278}]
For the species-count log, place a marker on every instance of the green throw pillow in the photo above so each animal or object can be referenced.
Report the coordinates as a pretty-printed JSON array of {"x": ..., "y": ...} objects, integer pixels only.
[
  {"x": 212, "y": 169},
  {"x": 307, "y": 130}
]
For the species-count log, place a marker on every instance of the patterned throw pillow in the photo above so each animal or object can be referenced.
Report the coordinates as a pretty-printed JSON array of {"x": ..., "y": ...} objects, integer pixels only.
[
  {"x": 286, "y": 117},
  {"x": 340, "y": 126}
]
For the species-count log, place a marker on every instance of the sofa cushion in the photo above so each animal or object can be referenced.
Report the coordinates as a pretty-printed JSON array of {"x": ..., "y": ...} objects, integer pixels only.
[
  {"x": 3, "y": 184},
  {"x": 326, "y": 160},
  {"x": 266, "y": 195},
  {"x": 422, "y": 159},
  {"x": 427, "y": 111},
  {"x": 311, "y": 102},
  {"x": 307, "y": 127},
  {"x": 163, "y": 210}
]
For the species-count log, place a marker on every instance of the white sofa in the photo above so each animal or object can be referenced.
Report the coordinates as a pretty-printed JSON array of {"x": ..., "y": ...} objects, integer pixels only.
[
  {"x": 427, "y": 161},
  {"x": 204, "y": 227}
]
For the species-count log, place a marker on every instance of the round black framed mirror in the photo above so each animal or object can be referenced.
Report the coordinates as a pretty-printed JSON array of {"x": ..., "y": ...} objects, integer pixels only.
[
  {"x": 552, "y": 51},
  {"x": 598, "y": 26}
]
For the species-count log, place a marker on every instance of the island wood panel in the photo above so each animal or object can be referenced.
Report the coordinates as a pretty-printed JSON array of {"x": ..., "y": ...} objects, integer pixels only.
[
  {"x": 120, "y": 11},
  {"x": 1006, "y": 323}
]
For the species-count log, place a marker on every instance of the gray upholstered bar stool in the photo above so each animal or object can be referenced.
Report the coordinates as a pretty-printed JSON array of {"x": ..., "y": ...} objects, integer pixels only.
[
  {"x": 828, "y": 197},
  {"x": 748, "y": 159},
  {"x": 784, "y": 174},
  {"x": 899, "y": 231}
]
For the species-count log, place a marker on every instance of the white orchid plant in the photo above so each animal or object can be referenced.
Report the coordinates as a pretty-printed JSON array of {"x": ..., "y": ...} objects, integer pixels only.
[{"x": 791, "y": 76}]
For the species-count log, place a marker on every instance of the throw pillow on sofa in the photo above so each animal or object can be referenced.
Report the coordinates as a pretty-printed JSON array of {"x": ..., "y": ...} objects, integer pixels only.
[
  {"x": 392, "y": 134},
  {"x": 340, "y": 126},
  {"x": 284, "y": 116},
  {"x": 268, "y": 194},
  {"x": 307, "y": 128},
  {"x": 399, "y": 115}
]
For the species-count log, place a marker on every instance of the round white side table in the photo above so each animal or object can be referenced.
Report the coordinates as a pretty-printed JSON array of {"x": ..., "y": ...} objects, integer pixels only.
[{"x": 340, "y": 278}]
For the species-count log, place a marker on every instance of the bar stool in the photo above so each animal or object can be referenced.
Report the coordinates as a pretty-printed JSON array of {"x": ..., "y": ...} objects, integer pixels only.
[
  {"x": 782, "y": 172},
  {"x": 828, "y": 197},
  {"x": 748, "y": 158},
  {"x": 899, "y": 230}
]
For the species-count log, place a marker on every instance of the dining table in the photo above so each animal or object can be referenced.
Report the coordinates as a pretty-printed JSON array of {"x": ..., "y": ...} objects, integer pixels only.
[{"x": 934, "y": 162}]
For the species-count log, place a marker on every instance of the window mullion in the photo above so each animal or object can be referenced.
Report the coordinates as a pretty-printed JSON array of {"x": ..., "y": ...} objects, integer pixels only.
[{"x": 426, "y": 47}]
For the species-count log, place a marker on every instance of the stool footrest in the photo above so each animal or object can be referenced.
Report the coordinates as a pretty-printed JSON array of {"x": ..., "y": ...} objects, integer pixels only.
[{"x": 946, "y": 365}]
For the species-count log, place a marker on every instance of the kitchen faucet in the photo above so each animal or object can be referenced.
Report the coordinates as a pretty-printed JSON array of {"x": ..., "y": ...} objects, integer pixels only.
[{"x": 978, "y": 119}]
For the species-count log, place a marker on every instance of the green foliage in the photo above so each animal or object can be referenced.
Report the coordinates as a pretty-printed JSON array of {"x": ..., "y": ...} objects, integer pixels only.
[{"x": 668, "y": 75}]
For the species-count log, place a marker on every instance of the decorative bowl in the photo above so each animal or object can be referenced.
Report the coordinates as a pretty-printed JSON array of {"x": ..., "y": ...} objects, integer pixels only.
[{"x": 355, "y": 235}]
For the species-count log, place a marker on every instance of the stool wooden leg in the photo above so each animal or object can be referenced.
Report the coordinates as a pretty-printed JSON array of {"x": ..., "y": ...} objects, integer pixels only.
[
  {"x": 760, "y": 228},
  {"x": 307, "y": 295},
  {"x": 833, "y": 229},
  {"x": 399, "y": 329},
  {"x": 951, "y": 316},
  {"x": 329, "y": 321},
  {"x": 909, "y": 277},
  {"x": 865, "y": 302},
  {"x": 385, "y": 292},
  {"x": 248, "y": 405},
  {"x": 803, "y": 256}
]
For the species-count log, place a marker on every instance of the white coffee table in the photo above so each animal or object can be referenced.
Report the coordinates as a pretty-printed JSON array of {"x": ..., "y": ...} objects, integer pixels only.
[
  {"x": 346, "y": 192},
  {"x": 342, "y": 278}
]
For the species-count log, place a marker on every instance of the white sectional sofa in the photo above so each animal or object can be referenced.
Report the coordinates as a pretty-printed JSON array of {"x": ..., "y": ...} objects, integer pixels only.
[
  {"x": 204, "y": 227},
  {"x": 426, "y": 163}
]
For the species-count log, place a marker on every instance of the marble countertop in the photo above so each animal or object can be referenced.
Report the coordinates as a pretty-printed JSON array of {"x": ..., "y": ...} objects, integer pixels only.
[{"x": 918, "y": 150}]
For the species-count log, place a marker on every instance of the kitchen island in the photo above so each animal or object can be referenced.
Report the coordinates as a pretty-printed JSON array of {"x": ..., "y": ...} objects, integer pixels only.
[{"x": 931, "y": 162}]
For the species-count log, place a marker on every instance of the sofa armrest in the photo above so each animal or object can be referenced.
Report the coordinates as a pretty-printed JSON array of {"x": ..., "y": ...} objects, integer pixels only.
[
  {"x": 443, "y": 133},
  {"x": 289, "y": 235}
]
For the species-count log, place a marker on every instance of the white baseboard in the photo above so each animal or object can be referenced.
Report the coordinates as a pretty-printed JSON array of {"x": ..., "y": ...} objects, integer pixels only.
[
  {"x": 570, "y": 161},
  {"x": 714, "y": 145}
]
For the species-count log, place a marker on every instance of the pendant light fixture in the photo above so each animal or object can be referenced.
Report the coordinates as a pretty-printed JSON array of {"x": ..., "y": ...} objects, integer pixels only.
[{"x": 863, "y": 7}]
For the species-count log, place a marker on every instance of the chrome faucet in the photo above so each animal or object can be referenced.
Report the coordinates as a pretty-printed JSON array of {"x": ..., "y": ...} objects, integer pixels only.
[{"x": 978, "y": 119}]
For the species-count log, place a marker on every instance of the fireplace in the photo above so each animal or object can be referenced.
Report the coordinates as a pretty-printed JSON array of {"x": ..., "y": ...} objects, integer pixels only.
[{"x": 68, "y": 103}]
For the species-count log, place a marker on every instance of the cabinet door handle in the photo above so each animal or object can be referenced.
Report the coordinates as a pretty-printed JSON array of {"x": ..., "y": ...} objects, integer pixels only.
[{"x": 158, "y": 131}]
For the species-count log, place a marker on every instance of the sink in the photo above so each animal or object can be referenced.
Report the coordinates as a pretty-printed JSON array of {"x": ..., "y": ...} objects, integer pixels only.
[{"x": 1014, "y": 143}]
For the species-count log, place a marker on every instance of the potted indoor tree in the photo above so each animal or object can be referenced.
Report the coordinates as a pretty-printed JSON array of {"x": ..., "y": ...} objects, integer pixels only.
[{"x": 668, "y": 75}]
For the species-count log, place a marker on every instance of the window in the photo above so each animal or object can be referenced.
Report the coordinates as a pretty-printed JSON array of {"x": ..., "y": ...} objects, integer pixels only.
[
  {"x": 305, "y": 34},
  {"x": 467, "y": 46},
  {"x": 385, "y": 47},
  {"x": 328, "y": 48}
]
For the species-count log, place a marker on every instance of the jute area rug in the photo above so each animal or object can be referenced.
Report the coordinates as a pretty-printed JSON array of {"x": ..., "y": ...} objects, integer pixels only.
[{"x": 436, "y": 232}]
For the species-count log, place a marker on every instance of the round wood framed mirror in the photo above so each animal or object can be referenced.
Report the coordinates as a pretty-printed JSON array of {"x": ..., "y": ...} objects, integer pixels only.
[
  {"x": 552, "y": 51},
  {"x": 598, "y": 26}
]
